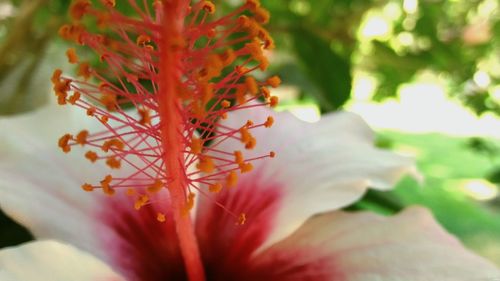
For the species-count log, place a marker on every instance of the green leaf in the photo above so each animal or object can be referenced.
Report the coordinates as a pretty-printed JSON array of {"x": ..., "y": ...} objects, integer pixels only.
[{"x": 330, "y": 72}]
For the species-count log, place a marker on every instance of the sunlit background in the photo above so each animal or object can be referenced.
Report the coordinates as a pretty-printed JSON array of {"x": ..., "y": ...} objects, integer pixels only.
[{"x": 423, "y": 73}]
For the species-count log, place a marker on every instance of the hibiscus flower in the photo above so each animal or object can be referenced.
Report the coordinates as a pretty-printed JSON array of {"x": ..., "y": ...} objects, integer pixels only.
[{"x": 291, "y": 232}]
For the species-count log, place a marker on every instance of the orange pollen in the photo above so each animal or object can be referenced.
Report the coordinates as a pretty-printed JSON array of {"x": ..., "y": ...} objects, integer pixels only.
[
  {"x": 225, "y": 103},
  {"x": 206, "y": 164},
  {"x": 209, "y": 7},
  {"x": 142, "y": 40},
  {"x": 246, "y": 167},
  {"x": 215, "y": 188},
  {"x": 72, "y": 56},
  {"x": 272, "y": 154},
  {"x": 242, "y": 218},
  {"x": 274, "y": 81},
  {"x": 74, "y": 98},
  {"x": 110, "y": 3},
  {"x": 141, "y": 202},
  {"x": 56, "y": 76},
  {"x": 269, "y": 122},
  {"x": 64, "y": 143},
  {"x": 81, "y": 137},
  {"x": 251, "y": 84},
  {"x": 91, "y": 155},
  {"x": 112, "y": 143},
  {"x": 161, "y": 217},
  {"x": 91, "y": 111},
  {"x": 84, "y": 70},
  {"x": 238, "y": 157},
  {"x": 145, "y": 116},
  {"x": 113, "y": 163},
  {"x": 273, "y": 101},
  {"x": 79, "y": 8},
  {"x": 106, "y": 187},
  {"x": 231, "y": 179},
  {"x": 189, "y": 203},
  {"x": 87, "y": 187},
  {"x": 196, "y": 145},
  {"x": 155, "y": 187}
]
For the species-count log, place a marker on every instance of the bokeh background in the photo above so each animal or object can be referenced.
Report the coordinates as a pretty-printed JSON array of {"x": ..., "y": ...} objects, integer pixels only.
[{"x": 423, "y": 73}]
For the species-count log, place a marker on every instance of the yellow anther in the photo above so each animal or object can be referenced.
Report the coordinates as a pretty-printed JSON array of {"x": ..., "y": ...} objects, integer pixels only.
[
  {"x": 87, "y": 187},
  {"x": 64, "y": 143},
  {"x": 91, "y": 155},
  {"x": 249, "y": 123},
  {"x": 273, "y": 101},
  {"x": 113, "y": 163},
  {"x": 74, "y": 98},
  {"x": 273, "y": 81},
  {"x": 72, "y": 56},
  {"x": 242, "y": 218},
  {"x": 225, "y": 103},
  {"x": 208, "y": 6},
  {"x": 269, "y": 122},
  {"x": 224, "y": 116},
  {"x": 231, "y": 179},
  {"x": 206, "y": 164},
  {"x": 215, "y": 188},
  {"x": 81, "y": 137},
  {"x": 251, "y": 85},
  {"x": 161, "y": 217},
  {"x": 156, "y": 186},
  {"x": 246, "y": 167},
  {"x": 106, "y": 187}
]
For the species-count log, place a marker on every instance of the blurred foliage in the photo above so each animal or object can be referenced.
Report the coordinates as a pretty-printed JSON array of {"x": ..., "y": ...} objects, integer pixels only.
[{"x": 324, "y": 41}]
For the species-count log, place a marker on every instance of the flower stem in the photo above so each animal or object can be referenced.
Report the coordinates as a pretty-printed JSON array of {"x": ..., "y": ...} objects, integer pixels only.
[{"x": 172, "y": 135}]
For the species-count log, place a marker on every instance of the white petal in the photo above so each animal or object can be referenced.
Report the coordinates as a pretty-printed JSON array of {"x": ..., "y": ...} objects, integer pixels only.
[
  {"x": 322, "y": 166},
  {"x": 39, "y": 184},
  {"x": 52, "y": 261},
  {"x": 369, "y": 247}
]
